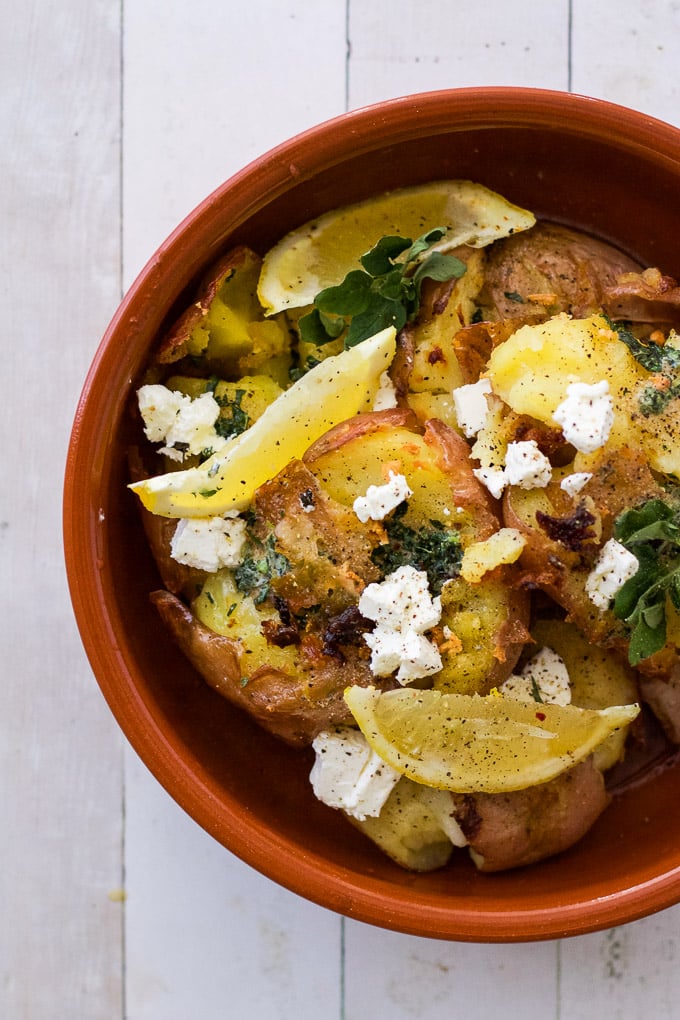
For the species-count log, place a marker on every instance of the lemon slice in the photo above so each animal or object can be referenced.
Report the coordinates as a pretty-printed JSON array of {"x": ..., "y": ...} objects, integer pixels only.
[
  {"x": 473, "y": 744},
  {"x": 321, "y": 252},
  {"x": 336, "y": 389}
]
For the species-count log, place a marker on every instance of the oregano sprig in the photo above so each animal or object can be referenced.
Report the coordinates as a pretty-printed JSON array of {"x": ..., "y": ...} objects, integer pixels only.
[
  {"x": 384, "y": 292},
  {"x": 652, "y": 533}
]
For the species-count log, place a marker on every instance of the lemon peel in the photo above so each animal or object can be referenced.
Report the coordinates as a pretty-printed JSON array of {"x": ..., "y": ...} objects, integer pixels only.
[
  {"x": 334, "y": 390},
  {"x": 474, "y": 744},
  {"x": 321, "y": 252}
]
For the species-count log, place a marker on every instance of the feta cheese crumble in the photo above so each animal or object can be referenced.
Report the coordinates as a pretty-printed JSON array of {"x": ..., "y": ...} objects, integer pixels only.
[
  {"x": 380, "y": 499},
  {"x": 526, "y": 466},
  {"x": 403, "y": 609},
  {"x": 546, "y": 674},
  {"x": 586, "y": 415},
  {"x": 209, "y": 543},
  {"x": 615, "y": 566},
  {"x": 471, "y": 407},
  {"x": 178, "y": 420},
  {"x": 386, "y": 397},
  {"x": 573, "y": 483},
  {"x": 494, "y": 479},
  {"x": 349, "y": 775}
]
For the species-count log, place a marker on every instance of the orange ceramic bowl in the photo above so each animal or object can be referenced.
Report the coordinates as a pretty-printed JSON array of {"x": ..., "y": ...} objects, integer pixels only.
[{"x": 601, "y": 168}]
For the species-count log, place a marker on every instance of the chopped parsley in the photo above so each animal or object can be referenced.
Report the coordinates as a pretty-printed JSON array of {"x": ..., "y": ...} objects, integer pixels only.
[
  {"x": 433, "y": 548},
  {"x": 652, "y": 533},
  {"x": 662, "y": 360},
  {"x": 536, "y": 691},
  {"x": 385, "y": 292},
  {"x": 654, "y": 357},
  {"x": 236, "y": 421},
  {"x": 257, "y": 568},
  {"x": 655, "y": 399}
]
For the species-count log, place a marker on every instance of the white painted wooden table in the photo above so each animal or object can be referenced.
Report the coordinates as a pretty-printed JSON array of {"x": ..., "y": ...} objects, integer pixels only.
[{"x": 116, "y": 119}]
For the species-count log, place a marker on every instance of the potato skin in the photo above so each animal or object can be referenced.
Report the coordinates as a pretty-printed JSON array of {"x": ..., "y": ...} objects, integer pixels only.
[
  {"x": 510, "y": 830},
  {"x": 293, "y": 708},
  {"x": 175, "y": 344},
  {"x": 621, "y": 479},
  {"x": 551, "y": 269}
]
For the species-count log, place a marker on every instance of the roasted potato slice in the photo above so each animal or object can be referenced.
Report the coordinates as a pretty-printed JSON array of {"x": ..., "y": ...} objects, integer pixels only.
[
  {"x": 296, "y": 703},
  {"x": 415, "y": 827},
  {"x": 483, "y": 625},
  {"x": 226, "y": 323}
]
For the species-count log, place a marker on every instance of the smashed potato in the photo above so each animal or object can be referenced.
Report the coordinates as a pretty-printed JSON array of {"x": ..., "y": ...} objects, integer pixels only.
[{"x": 501, "y": 502}]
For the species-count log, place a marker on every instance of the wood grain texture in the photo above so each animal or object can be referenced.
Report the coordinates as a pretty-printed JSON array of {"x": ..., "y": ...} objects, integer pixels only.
[
  {"x": 117, "y": 119},
  {"x": 60, "y": 752}
]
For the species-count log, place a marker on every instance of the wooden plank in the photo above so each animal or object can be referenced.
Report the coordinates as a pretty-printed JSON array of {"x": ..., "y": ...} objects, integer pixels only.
[
  {"x": 627, "y": 53},
  {"x": 415, "y": 977},
  {"x": 207, "y": 88},
  {"x": 60, "y": 764},
  {"x": 209, "y": 937},
  {"x": 630, "y": 970},
  {"x": 401, "y": 48}
]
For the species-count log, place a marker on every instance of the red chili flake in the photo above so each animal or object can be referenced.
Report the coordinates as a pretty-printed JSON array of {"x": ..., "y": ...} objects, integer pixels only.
[{"x": 540, "y": 716}]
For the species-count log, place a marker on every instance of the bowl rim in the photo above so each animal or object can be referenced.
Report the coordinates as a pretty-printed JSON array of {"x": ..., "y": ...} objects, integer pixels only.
[{"x": 310, "y": 876}]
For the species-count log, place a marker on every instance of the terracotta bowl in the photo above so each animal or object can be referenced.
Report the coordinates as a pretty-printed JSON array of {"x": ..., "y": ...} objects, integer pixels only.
[{"x": 601, "y": 168}]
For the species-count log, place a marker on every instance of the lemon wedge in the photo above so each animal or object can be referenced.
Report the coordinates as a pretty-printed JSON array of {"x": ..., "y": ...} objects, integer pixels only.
[
  {"x": 473, "y": 744},
  {"x": 334, "y": 390},
  {"x": 321, "y": 252}
]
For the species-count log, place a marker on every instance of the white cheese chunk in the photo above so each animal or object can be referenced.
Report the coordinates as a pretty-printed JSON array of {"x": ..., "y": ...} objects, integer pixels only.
[
  {"x": 159, "y": 408},
  {"x": 403, "y": 609},
  {"x": 615, "y": 566},
  {"x": 402, "y": 601},
  {"x": 586, "y": 415},
  {"x": 209, "y": 543},
  {"x": 381, "y": 499},
  {"x": 573, "y": 483},
  {"x": 411, "y": 654},
  {"x": 494, "y": 479},
  {"x": 386, "y": 397},
  {"x": 546, "y": 675},
  {"x": 178, "y": 420},
  {"x": 471, "y": 407},
  {"x": 526, "y": 466},
  {"x": 349, "y": 775}
]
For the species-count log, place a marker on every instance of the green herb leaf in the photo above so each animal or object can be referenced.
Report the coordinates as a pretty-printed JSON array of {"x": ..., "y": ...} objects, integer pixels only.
[
  {"x": 384, "y": 292},
  {"x": 260, "y": 564},
  {"x": 379, "y": 315},
  {"x": 652, "y": 533},
  {"x": 439, "y": 267},
  {"x": 318, "y": 329},
  {"x": 536, "y": 691},
  {"x": 236, "y": 420},
  {"x": 348, "y": 298},
  {"x": 380, "y": 259},
  {"x": 654, "y": 357},
  {"x": 435, "y": 549}
]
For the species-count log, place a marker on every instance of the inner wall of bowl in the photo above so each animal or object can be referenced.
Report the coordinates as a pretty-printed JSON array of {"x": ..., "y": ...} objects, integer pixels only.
[{"x": 210, "y": 757}]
